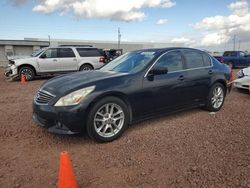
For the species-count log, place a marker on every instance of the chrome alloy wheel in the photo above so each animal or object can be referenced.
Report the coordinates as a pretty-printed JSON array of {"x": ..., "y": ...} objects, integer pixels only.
[
  {"x": 27, "y": 73},
  {"x": 217, "y": 97},
  {"x": 109, "y": 120}
]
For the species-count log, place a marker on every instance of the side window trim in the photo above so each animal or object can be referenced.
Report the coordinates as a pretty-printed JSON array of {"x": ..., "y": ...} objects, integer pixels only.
[{"x": 183, "y": 62}]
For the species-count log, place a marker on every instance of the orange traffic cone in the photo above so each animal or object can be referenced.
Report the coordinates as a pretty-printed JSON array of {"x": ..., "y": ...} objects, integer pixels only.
[
  {"x": 66, "y": 175},
  {"x": 23, "y": 81}
]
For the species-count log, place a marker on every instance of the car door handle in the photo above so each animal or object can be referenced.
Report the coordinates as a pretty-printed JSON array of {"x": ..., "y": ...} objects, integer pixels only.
[
  {"x": 210, "y": 72},
  {"x": 181, "y": 78},
  {"x": 54, "y": 59},
  {"x": 74, "y": 59}
]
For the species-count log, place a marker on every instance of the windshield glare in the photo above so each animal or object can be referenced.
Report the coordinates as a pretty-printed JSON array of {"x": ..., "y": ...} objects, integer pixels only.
[{"x": 130, "y": 62}]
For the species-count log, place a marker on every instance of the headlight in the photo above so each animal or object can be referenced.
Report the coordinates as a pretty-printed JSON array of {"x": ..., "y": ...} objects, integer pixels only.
[{"x": 75, "y": 97}]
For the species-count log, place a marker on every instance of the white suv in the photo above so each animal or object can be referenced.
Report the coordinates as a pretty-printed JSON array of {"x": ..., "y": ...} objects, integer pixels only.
[{"x": 54, "y": 60}]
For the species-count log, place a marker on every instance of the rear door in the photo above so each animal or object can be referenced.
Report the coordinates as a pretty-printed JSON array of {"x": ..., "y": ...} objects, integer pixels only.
[
  {"x": 198, "y": 66},
  {"x": 67, "y": 59},
  {"x": 48, "y": 61}
]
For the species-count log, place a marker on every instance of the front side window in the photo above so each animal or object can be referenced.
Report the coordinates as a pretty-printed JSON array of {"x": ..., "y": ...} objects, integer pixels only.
[
  {"x": 50, "y": 53},
  {"x": 193, "y": 59},
  {"x": 66, "y": 52},
  {"x": 171, "y": 60}
]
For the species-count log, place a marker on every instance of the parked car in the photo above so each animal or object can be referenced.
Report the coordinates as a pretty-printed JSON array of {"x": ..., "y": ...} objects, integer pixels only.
[
  {"x": 219, "y": 58},
  {"x": 54, "y": 60},
  {"x": 111, "y": 54},
  {"x": 242, "y": 83},
  {"x": 243, "y": 72},
  {"x": 235, "y": 59},
  {"x": 135, "y": 86}
]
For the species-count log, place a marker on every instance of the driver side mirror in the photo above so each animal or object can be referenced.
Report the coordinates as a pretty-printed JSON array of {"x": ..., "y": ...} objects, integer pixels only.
[
  {"x": 43, "y": 56},
  {"x": 158, "y": 71}
]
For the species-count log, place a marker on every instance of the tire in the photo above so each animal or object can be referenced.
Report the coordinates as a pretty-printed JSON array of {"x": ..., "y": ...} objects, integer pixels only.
[
  {"x": 28, "y": 72},
  {"x": 214, "y": 103},
  {"x": 86, "y": 67},
  {"x": 101, "y": 119}
]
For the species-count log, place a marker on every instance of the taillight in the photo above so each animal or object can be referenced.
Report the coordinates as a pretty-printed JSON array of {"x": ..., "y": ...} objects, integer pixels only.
[
  {"x": 101, "y": 59},
  {"x": 222, "y": 60}
]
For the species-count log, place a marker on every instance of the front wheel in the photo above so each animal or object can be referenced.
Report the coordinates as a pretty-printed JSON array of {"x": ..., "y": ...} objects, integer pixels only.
[
  {"x": 107, "y": 119},
  {"x": 28, "y": 73},
  {"x": 216, "y": 97}
]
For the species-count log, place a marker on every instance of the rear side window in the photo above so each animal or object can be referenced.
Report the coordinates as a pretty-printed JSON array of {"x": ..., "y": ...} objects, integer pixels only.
[
  {"x": 193, "y": 59},
  {"x": 171, "y": 60},
  {"x": 206, "y": 60},
  {"x": 66, "y": 52},
  {"x": 230, "y": 54},
  {"x": 88, "y": 52}
]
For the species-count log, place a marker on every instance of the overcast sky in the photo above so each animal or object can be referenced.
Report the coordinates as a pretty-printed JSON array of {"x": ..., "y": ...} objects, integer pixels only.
[{"x": 208, "y": 24}]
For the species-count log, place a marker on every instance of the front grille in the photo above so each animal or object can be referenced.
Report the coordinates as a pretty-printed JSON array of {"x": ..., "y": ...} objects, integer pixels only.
[{"x": 43, "y": 97}]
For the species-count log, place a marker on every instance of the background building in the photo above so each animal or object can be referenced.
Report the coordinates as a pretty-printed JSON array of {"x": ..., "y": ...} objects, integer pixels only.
[{"x": 19, "y": 48}]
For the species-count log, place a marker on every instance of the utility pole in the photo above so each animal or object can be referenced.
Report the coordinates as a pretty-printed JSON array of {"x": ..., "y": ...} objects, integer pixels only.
[
  {"x": 49, "y": 39},
  {"x": 119, "y": 37},
  {"x": 234, "y": 40}
]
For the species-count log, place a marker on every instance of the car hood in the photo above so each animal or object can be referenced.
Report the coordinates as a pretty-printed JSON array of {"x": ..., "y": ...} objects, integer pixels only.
[
  {"x": 64, "y": 84},
  {"x": 24, "y": 60}
]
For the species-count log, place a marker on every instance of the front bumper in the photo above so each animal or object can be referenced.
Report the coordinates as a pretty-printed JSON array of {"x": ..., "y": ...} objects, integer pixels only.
[
  {"x": 60, "y": 120},
  {"x": 11, "y": 72}
]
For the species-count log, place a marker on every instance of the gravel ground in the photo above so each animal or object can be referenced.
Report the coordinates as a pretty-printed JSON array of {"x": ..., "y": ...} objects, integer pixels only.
[{"x": 187, "y": 149}]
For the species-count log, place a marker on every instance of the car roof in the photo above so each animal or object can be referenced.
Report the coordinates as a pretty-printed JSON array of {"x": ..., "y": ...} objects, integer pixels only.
[{"x": 159, "y": 50}]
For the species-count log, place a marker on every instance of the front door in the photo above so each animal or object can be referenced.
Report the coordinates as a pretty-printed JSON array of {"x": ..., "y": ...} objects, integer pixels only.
[
  {"x": 48, "y": 61},
  {"x": 166, "y": 91}
]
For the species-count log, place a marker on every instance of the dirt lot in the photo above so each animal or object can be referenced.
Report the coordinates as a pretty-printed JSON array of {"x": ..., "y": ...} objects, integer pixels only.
[{"x": 187, "y": 149}]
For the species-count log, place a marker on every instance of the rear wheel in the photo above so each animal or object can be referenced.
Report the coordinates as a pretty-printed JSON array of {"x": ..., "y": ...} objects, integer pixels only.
[
  {"x": 216, "y": 97},
  {"x": 28, "y": 73},
  {"x": 86, "y": 67},
  {"x": 107, "y": 119}
]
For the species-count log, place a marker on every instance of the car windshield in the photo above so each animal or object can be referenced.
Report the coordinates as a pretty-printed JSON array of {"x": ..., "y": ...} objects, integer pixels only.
[
  {"x": 37, "y": 53},
  {"x": 130, "y": 62}
]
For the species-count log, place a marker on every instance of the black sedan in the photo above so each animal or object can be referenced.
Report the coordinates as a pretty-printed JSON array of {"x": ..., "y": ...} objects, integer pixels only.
[{"x": 135, "y": 86}]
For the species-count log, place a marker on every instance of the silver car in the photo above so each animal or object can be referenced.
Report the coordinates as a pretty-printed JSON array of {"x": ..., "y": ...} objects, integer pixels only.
[{"x": 55, "y": 60}]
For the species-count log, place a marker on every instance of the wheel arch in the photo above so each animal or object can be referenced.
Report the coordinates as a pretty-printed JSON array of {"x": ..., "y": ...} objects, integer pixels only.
[
  {"x": 85, "y": 63},
  {"x": 221, "y": 81},
  {"x": 26, "y": 65},
  {"x": 118, "y": 95}
]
